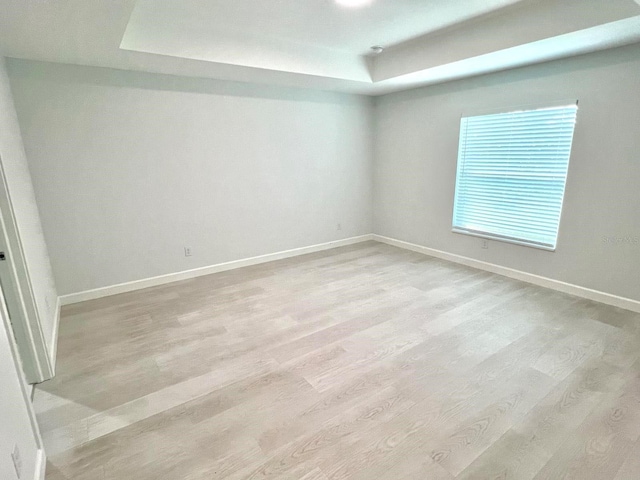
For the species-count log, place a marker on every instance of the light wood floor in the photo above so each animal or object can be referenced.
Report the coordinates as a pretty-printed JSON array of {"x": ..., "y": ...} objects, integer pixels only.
[{"x": 364, "y": 362}]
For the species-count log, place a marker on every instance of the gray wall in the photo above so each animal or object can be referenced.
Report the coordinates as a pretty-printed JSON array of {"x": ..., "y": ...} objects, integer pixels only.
[
  {"x": 25, "y": 210},
  {"x": 416, "y": 153},
  {"x": 129, "y": 168}
]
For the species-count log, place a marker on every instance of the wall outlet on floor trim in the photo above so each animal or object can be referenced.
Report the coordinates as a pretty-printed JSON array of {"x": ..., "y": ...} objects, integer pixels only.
[{"x": 485, "y": 243}]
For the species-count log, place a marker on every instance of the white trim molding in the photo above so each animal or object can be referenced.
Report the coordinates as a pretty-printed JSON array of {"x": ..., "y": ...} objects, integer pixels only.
[
  {"x": 558, "y": 285},
  {"x": 54, "y": 336},
  {"x": 199, "y": 272},
  {"x": 41, "y": 465}
]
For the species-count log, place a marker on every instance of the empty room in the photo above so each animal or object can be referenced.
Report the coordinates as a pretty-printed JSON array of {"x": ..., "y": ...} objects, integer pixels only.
[{"x": 320, "y": 239}]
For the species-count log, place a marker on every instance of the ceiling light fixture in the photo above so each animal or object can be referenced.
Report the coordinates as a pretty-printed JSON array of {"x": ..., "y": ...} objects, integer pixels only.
[
  {"x": 377, "y": 49},
  {"x": 353, "y": 3}
]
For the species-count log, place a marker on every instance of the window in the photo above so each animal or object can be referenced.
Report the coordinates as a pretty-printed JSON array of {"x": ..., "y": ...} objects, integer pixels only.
[{"x": 512, "y": 170}]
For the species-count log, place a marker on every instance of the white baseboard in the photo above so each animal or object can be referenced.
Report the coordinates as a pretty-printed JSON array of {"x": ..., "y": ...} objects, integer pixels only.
[
  {"x": 41, "y": 465},
  {"x": 199, "y": 272},
  {"x": 558, "y": 285},
  {"x": 546, "y": 282},
  {"x": 54, "y": 336}
]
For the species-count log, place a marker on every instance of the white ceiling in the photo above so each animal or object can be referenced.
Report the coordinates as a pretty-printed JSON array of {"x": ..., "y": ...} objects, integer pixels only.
[
  {"x": 314, "y": 43},
  {"x": 315, "y": 37}
]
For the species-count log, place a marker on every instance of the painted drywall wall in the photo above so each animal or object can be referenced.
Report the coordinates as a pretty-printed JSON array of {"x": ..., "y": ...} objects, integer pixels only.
[
  {"x": 17, "y": 427},
  {"x": 32, "y": 246},
  {"x": 129, "y": 168},
  {"x": 599, "y": 241}
]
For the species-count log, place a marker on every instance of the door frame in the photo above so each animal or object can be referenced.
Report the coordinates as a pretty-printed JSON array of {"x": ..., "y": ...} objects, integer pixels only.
[{"x": 19, "y": 296}]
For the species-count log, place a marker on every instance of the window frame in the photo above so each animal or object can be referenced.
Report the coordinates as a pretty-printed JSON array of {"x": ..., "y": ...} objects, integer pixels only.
[{"x": 497, "y": 237}]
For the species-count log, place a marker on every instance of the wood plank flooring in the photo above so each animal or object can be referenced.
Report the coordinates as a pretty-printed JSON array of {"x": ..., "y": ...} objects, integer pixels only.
[{"x": 359, "y": 363}]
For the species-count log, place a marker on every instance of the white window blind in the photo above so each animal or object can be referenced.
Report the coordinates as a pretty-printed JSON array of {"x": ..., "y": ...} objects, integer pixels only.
[{"x": 512, "y": 170}]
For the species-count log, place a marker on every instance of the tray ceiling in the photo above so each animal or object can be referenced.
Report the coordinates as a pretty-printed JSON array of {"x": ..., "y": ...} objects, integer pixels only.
[{"x": 315, "y": 43}]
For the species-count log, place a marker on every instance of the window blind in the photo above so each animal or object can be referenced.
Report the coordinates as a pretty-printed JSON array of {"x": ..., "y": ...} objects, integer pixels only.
[{"x": 512, "y": 170}]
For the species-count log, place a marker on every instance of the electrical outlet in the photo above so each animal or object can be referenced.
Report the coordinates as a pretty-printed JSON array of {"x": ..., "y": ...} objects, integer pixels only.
[
  {"x": 17, "y": 461},
  {"x": 188, "y": 251},
  {"x": 485, "y": 243},
  {"x": 339, "y": 227}
]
